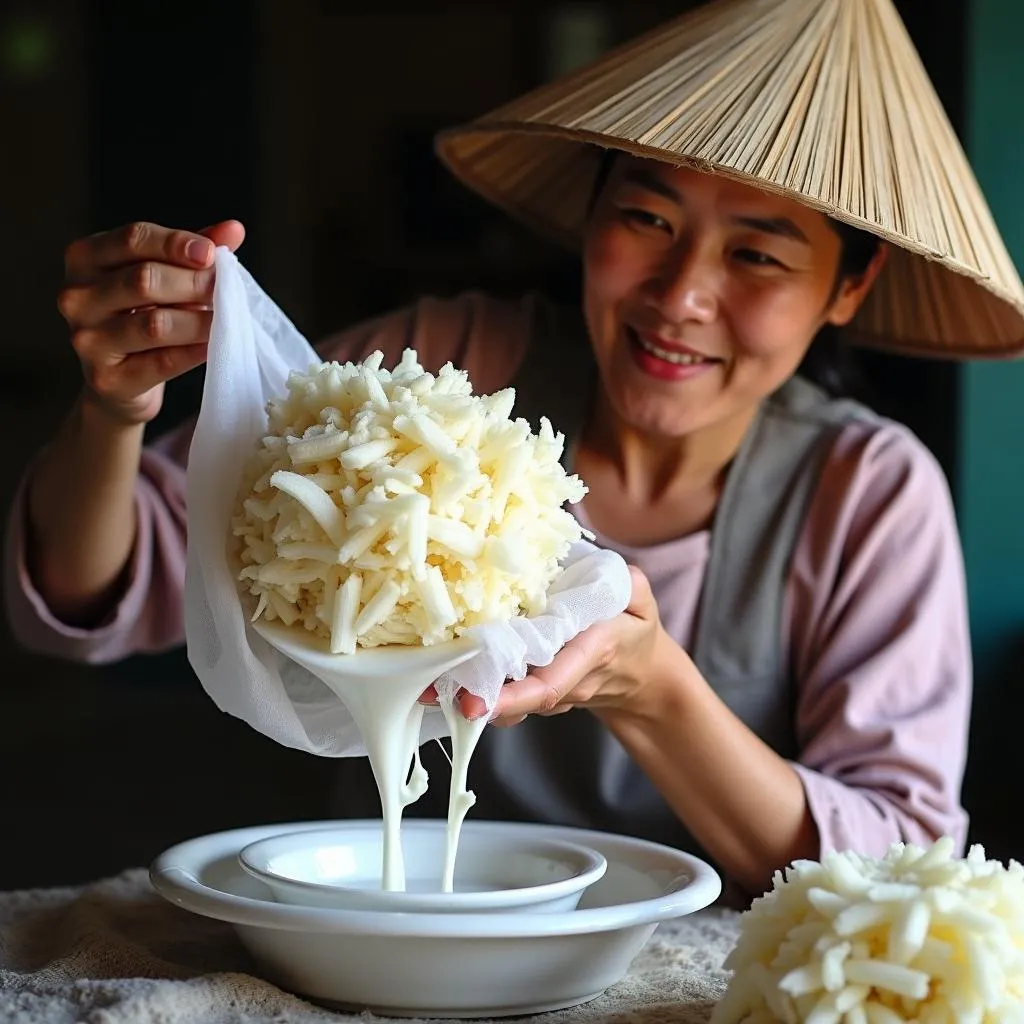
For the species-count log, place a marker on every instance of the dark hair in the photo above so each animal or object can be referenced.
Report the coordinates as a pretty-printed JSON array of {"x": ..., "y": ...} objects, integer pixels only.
[{"x": 828, "y": 362}]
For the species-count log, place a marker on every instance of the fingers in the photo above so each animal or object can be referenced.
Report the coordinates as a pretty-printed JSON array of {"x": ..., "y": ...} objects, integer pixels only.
[
  {"x": 124, "y": 382},
  {"x": 574, "y": 677},
  {"x": 138, "y": 242},
  {"x": 229, "y": 233},
  {"x": 138, "y": 302},
  {"x": 142, "y": 241},
  {"x": 530, "y": 695},
  {"x": 544, "y": 690},
  {"x": 124, "y": 335},
  {"x": 132, "y": 353},
  {"x": 471, "y": 705},
  {"x": 641, "y": 598},
  {"x": 143, "y": 284}
]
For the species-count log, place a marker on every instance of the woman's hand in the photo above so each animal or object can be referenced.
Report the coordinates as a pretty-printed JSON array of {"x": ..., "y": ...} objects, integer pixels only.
[
  {"x": 137, "y": 300},
  {"x": 611, "y": 665}
]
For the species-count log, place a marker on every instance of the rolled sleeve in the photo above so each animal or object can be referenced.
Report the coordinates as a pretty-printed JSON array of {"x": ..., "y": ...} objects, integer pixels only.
[{"x": 147, "y": 615}]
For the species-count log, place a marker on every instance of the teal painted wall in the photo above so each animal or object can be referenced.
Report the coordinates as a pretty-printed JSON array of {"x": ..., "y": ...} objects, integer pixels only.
[{"x": 990, "y": 476}]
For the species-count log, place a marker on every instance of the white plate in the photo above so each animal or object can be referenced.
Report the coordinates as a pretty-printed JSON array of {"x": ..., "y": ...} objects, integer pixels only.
[
  {"x": 443, "y": 965},
  {"x": 341, "y": 867}
]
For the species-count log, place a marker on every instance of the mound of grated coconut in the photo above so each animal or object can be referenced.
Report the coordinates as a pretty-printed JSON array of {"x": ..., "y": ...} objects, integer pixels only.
[
  {"x": 918, "y": 935},
  {"x": 397, "y": 507}
]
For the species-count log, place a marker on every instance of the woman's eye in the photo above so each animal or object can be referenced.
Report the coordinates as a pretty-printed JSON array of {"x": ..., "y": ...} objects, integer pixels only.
[
  {"x": 756, "y": 258},
  {"x": 646, "y": 218}
]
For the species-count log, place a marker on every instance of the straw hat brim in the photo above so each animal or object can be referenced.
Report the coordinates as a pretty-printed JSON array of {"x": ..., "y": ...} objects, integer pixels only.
[
  {"x": 956, "y": 312},
  {"x": 823, "y": 101}
]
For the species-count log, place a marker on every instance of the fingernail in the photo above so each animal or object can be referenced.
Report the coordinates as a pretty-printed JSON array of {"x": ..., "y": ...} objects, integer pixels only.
[{"x": 198, "y": 250}]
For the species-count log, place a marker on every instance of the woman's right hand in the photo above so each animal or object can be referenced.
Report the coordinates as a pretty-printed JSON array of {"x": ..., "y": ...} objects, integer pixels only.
[{"x": 137, "y": 300}]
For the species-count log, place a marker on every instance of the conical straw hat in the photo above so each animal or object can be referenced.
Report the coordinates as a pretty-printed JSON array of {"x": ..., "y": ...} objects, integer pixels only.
[{"x": 825, "y": 101}]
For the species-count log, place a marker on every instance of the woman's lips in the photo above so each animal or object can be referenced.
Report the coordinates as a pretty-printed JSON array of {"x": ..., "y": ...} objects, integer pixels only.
[{"x": 666, "y": 363}]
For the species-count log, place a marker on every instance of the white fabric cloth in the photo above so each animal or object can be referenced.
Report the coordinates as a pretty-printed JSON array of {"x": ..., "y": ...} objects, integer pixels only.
[
  {"x": 253, "y": 347},
  {"x": 114, "y": 952}
]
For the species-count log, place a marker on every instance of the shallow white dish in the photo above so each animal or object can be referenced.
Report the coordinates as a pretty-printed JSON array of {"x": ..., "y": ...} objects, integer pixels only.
[
  {"x": 443, "y": 965},
  {"x": 342, "y": 868}
]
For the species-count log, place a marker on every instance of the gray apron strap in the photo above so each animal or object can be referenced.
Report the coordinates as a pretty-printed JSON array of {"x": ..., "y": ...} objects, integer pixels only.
[{"x": 737, "y": 642}]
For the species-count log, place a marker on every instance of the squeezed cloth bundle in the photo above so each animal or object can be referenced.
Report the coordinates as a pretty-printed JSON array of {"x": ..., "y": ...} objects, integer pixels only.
[{"x": 253, "y": 349}]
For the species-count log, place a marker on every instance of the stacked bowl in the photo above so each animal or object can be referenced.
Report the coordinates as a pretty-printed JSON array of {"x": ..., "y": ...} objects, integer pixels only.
[{"x": 541, "y": 917}]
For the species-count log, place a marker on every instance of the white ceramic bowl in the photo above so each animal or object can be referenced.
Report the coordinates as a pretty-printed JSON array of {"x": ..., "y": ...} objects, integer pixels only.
[
  {"x": 341, "y": 867},
  {"x": 443, "y": 965}
]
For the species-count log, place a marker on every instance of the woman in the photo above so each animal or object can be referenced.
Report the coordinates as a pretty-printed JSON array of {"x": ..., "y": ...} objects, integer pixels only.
[{"x": 793, "y": 672}]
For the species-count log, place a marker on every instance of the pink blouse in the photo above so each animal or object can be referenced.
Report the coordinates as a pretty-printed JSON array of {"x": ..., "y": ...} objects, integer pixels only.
[{"x": 875, "y": 611}]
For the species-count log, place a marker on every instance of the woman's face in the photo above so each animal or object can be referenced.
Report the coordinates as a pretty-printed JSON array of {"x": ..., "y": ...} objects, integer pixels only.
[{"x": 702, "y": 294}]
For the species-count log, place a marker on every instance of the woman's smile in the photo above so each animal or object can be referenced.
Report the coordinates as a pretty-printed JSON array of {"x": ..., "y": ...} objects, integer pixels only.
[{"x": 666, "y": 360}]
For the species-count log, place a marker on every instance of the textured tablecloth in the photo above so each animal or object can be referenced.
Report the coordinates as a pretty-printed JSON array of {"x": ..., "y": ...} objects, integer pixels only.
[{"x": 115, "y": 952}]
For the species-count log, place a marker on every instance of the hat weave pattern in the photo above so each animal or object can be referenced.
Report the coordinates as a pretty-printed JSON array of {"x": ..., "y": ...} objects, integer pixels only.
[{"x": 823, "y": 101}]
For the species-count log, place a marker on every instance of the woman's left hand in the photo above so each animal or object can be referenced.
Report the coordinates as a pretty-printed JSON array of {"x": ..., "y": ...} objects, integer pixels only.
[{"x": 605, "y": 666}]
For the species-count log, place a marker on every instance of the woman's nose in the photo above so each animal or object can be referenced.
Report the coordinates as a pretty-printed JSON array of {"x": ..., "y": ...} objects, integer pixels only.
[{"x": 686, "y": 285}]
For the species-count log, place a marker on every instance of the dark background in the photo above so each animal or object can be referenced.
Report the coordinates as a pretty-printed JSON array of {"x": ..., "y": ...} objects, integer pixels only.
[{"x": 313, "y": 127}]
